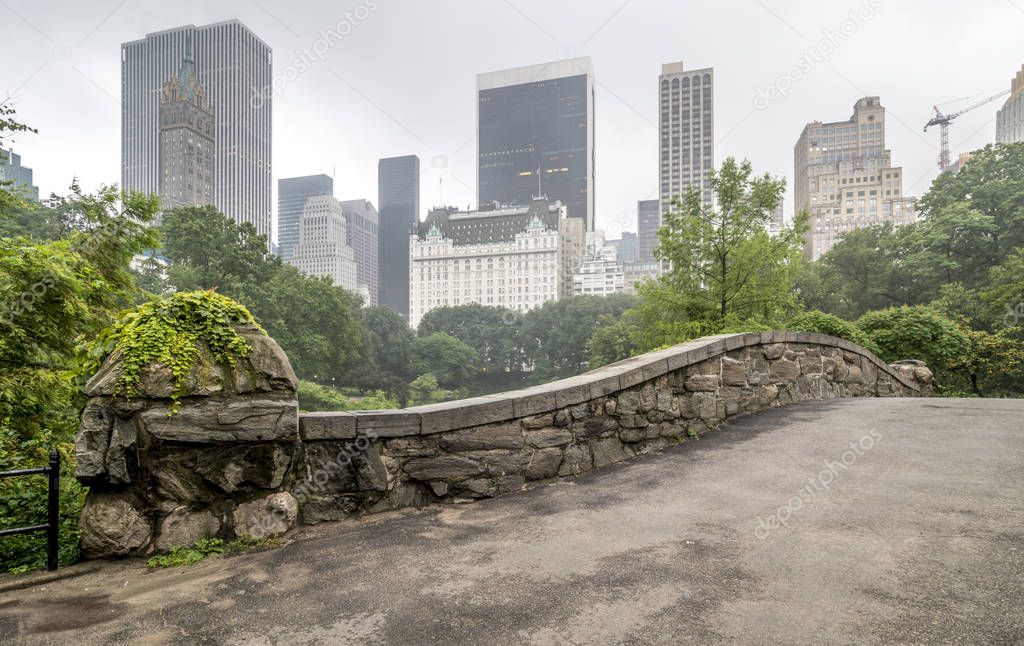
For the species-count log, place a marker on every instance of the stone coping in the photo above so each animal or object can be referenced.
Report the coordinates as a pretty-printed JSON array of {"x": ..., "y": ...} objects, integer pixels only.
[{"x": 545, "y": 398}]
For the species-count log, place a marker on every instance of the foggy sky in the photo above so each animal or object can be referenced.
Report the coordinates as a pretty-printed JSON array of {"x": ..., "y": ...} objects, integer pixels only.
[{"x": 402, "y": 80}]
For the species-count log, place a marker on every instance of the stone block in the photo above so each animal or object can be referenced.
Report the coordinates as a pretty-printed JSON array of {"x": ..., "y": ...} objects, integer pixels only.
[
  {"x": 209, "y": 421},
  {"x": 703, "y": 383},
  {"x": 784, "y": 370},
  {"x": 268, "y": 516},
  {"x": 537, "y": 421},
  {"x": 576, "y": 460},
  {"x": 442, "y": 467},
  {"x": 608, "y": 451},
  {"x": 246, "y": 467},
  {"x": 387, "y": 423},
  {"x": 543, "y": 464},
  {"x": 327, "y": 426},
  {"x": 734, "y": 372},
  {"x": 505, "y": 435},
  {"x": 183, "y": 527},
  {"x": 446, "y": 416},
  {"x": 774, "y": 351},
  {"x": 548, "y": 437},
  {"x": 113, "y": 524}
]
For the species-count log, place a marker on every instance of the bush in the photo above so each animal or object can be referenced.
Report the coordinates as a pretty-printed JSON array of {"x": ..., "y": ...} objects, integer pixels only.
[
  {"x": 23, "y": 502},
  {"x": 822, "y": 323},
  {"x": 917, "y": 332},
  {"x": 314, "y": 397}
]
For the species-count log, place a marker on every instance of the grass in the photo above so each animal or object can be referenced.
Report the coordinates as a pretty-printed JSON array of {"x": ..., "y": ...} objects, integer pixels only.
[{"x": 204, "y": 547}]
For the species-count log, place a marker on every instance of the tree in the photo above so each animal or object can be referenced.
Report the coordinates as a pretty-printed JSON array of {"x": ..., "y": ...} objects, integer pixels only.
[
  {"x": 723, "y": 265},
  {"x": 316, "y": 322},
  {"x": 450, "y": 360},
  {"x": 555, "y": 335},
  {"x": 492, "y": 331},
  {"x": 388, "y": 340}
]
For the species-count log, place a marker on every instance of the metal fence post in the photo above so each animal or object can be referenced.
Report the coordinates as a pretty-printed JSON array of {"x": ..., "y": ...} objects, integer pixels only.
[{"x": 53, "y": 529}]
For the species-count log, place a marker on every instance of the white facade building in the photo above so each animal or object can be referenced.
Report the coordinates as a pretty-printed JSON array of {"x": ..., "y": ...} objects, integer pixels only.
[
  {"x": 599, "y": 276},
  {"x": 322, "y": 248},
  {"x": 516, "y": 257},
  {"x": 1010, "y": 118}
]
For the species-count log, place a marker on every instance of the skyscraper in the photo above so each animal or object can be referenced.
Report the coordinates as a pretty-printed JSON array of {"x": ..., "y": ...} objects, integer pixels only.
[
  {"x": 398, "y": 194},
  {"x": 845, "y": 178},
  {"x": 626, "y": 248},
  {"x": 687, "y": 125},
  {"x": 648, "y": 221},
  {"x": 234, "y": 67},
  {"x": 538, "y": 120},
  {"x": 19, "y": 176},
  {"x": 1010, "y": 118},
  {"x": 323, "y": 248},
  {"x": 186, "y": 141},
  {"x": 292, "y": 193},
  {"x": 362, "y": 231}
]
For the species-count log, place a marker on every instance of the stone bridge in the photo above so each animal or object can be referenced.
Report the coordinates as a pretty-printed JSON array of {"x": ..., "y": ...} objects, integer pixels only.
[{"x": 238, "y": 459}]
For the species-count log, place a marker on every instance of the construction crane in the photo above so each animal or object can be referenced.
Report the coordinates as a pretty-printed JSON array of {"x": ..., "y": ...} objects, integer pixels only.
[{"x": 942, "y": 120}]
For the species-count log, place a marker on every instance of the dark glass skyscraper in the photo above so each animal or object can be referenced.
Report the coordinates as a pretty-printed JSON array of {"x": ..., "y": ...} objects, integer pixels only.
[
  {"x": 398, "y": 194},
  {"x": 292, "y": 193},
  {"x": 648, "y": 221},
  {"x": 538, "y": 119}
]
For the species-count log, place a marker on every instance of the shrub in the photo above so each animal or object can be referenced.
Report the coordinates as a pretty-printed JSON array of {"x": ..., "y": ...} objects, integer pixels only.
[
  {"x": 917, "y": 332},
  {"x": 315, "y": 397},
  {"x": 822, "y": 323}
]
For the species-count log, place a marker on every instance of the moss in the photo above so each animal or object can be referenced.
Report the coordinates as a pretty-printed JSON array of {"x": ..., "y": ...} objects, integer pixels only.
[{"x": 171, "y": 330}]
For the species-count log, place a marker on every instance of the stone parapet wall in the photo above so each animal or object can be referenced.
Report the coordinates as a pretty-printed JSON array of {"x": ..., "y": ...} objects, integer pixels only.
[{"x": 233, "y": 478}]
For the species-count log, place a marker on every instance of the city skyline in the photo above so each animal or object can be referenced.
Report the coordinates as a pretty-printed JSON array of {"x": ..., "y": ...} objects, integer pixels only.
[{"x": 760, "y": 110}]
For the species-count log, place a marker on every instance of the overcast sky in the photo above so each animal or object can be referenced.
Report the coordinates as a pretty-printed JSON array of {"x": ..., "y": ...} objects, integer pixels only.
[{"x": 402, "y": 81}]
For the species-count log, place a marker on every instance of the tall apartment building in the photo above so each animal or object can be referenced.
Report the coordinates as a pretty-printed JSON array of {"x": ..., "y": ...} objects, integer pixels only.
[
  {"x": 516, "y": 257},
  {"x": 1010, "y": 118},
  {"x": 398, "y": 197},
  {"x": 845, "y": 178},
  {"x": 186, "y": 140},
  {"x": 20, "y": 177},
  {"x": 292, "y": 193},
  {"x": 686, "y": 122},
  {"x": 535, "y": 128},
  {"x": 627, "y": 249},
  {"x": 361, "y": 227},
  {"x": 323, "y": 248},
  {"x": 234, "y": 67},
  {"x": 648, "y": 222}
]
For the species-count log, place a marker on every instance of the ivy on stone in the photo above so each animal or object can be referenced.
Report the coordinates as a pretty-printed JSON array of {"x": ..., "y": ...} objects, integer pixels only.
[{"x": 171, "y": 330}]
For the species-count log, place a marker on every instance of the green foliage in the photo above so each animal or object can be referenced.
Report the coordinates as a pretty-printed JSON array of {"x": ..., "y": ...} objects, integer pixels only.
[
  {"x": 722, "y": 261},
  {"x": 917, "y": 332},
  {"x": 316, "y": 322},
  {"x": 388, "y": 340},
  {"x": 180, "y": 556},
  {"x": 451, "y": 361},
  {"x": 315, "y": 397},
  {"x": 171, "y": 330},
  {"x": 24, "y": 502},
  {"x": 490, "y": 331},
  {"x": 822, "y": 323},
  {"x": 614, "y": 339}
]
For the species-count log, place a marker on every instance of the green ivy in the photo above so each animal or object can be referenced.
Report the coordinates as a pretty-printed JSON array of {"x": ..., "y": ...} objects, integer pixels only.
[{"x": 171, "y": 330}]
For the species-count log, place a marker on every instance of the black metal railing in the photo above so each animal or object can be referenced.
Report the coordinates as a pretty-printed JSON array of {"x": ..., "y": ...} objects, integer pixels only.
[{"x": 53, "y": 508}]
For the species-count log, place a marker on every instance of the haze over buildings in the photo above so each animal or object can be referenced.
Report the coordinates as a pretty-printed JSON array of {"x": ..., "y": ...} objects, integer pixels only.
[
  {"x": 292, "y": 193},
  {"x": 20, "y": 176},
  {"x": 323, "y": 243},
  {"x": 186, "y": 141},
  {"x": 398, "y": 197},
  {"x": 1010, "y": 118},
  {"x": 233, "y": 65}
]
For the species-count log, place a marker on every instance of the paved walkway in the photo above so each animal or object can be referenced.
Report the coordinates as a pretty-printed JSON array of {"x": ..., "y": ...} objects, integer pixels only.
[{"x": 916, "y": 535}]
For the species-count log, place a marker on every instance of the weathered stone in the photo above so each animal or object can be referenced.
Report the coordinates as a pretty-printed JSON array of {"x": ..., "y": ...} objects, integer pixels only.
[
  {"x": 503, "y": 462},
  {"x": 442, "y": 467},
  {"x": 547, "y": 437},
  {"x": 580, "y": 411},
  {"x": 211, "y": 421},
  {"x": 810, "y": 364},
  {"x": 734, "y": 372},
  {"x": 562, "y": 418},
  {"x": 544, "y": 464},
  {"x": 633, "y": 421},
  {"x": 631, "y": 435},
  {"x": 774, "y": 351},
  {"x": 703, "y": 383},
  {"x": 371, "y": 474},
  {"x": 610, "y": 406},
  {"x": 271, "y": 515},
  {"x": 595, "y": 426},
  {"x": 411, "y": 447},
  {"x": 854, "y": 375},
  {"x": 327, "y": 508},
  {"x": 628, "y": 402},
  {"x": 439, "y": 487},
  {"x": 608, "y": 451},
  {"x": 493, "y": 436},
  {"x": 478, "y": 488},
  {"x": 113, "y": 524},
  {"x": 268, "y": 361},
  {"x": 648, "y": 398},
  {"x": 246, "y": 467},
  {"x": 328, "y": 468},
  {"x": 184, "y": 527},
  {"x": 538, "y": 421},
  {"x": 122, "y": 455},
  {"x": 92, "y": 442},
  {"x": 784, "y": 370},
  {"x": 576, "y": 460}
]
